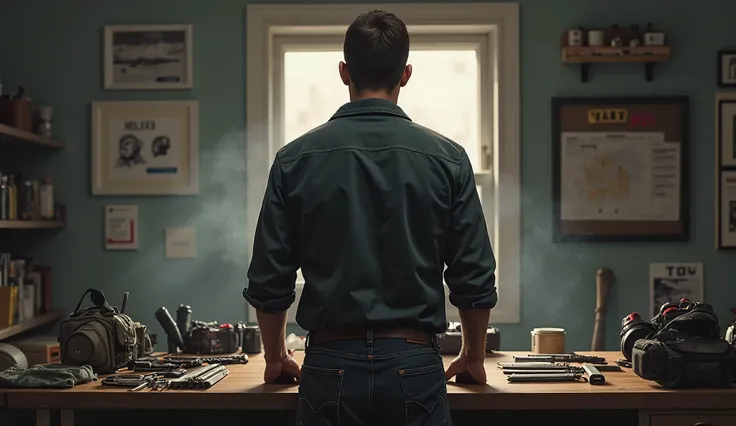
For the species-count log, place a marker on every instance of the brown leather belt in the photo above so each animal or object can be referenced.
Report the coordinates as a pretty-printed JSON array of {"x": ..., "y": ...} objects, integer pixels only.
[{"x": 410, "y": 334}]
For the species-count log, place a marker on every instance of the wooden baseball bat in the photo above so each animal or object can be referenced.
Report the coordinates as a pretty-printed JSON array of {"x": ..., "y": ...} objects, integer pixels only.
[{"x": 603, "y": 283}]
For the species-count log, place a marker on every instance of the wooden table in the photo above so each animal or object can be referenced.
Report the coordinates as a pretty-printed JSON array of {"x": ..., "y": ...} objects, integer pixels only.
[{"x": 243, "y": 389}]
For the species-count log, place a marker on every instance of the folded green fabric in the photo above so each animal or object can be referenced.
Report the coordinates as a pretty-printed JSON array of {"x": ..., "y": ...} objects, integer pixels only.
[{"x": 47, "y": 376}]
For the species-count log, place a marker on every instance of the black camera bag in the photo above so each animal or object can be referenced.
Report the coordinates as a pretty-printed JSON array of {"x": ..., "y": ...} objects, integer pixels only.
[
  {"x": 686, "y": 351},
  {"x": 100, "y": 336}
]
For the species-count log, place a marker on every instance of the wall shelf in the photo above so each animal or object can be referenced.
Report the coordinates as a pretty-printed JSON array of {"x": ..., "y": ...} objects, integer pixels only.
[
  {"x": 10, "y": 136},
  {"x": 587, "y": 55},
  {"x": 31, "y": 224},
  {"x": 30, "y": 324}
]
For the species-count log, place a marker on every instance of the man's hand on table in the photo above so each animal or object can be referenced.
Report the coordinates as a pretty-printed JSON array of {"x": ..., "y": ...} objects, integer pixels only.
[
  {"x": 283, "y": 370},
  {"x": 464, "y": 366},
  {"x": 468, "y": 366}
]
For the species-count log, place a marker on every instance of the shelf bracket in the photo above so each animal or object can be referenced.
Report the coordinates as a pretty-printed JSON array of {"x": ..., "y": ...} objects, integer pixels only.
[
  {"x": 584, "y": 68},
  {"x": 649, "y": 71}
]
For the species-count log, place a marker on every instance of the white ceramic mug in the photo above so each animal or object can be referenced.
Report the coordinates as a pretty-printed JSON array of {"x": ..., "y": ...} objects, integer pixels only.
[{"x": 595, "y": 38}]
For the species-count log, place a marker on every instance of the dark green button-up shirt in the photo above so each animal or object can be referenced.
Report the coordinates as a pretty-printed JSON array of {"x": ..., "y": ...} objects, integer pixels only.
[{"x": 371, "y": 207}]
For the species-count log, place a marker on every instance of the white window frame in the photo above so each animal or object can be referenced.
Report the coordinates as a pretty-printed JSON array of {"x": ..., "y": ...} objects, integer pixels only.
[{"x": 498, "y": 21}]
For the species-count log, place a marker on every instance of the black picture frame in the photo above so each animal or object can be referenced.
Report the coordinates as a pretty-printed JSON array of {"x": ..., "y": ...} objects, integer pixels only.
[
  {"x": 722, "y": 168},
  {"x": 558, "y": 103},
  {"x": 722, "y": 57},
  {"x": 719, "y": 219},
  {"x": 724, "y": 163}
]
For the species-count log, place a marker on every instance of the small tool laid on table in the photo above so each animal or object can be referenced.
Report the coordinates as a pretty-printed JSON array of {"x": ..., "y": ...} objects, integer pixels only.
[
  {"x": 199, "y": 378},
  {"x": 547, "y": 377},
  {"x": 593, "y": 375},
  {"x": 538, "y": 368},
  {"x": 135, "y": 382},
  {"x": 571, "y": 357},
  {"x": 555, "y": 372}
]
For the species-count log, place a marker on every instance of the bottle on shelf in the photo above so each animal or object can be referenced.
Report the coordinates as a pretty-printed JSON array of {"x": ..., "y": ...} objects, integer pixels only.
[
  {"x": 47, "y": 199},
  {"x": 12, "y": 199},
  {"x": 4, "y": 198},
  {"x": 29, "y": 201}
]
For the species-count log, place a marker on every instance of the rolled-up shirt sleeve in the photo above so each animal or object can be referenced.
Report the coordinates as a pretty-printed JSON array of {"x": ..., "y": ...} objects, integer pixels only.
[
  {"x": 273, "y": 265},
  {"x": 471, "y": 265}
]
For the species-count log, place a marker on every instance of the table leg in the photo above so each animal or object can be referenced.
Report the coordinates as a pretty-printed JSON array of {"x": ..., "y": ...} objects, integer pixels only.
[
  {"x": 67, "y": 418},
  {"x": 43, "y": 418}
]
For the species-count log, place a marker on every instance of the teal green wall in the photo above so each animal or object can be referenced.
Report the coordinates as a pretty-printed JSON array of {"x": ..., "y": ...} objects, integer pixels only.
[{"x": 54, "y": 49}]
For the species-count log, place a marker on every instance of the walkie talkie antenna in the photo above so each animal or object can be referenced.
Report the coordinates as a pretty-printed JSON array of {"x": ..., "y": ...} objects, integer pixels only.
[{"x": 125, "y": 302}]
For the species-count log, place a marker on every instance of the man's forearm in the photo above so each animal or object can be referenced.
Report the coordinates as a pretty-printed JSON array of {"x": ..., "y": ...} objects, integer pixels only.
[
  {"x": 273, "y": 334},
  {"x": 474, "y": 327}
]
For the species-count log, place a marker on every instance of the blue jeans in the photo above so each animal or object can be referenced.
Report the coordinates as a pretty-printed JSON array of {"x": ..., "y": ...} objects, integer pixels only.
[{"x": 382, "y": 382}]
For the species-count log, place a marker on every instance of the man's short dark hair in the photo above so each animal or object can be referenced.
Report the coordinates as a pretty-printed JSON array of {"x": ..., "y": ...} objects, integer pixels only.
[{"x": 376, "y": 50}]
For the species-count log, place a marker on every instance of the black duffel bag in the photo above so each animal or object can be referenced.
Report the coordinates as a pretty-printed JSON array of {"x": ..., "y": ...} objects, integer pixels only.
[{"x": 686, "y": 351}]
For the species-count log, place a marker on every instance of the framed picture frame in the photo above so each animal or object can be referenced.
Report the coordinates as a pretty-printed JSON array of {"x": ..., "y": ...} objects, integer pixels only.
[
  {"x": 727, "y": 68},
  {"x": 726, "y": 130},
  {"x": 726, "y": 210},
  {"x": 145, "y": 148},
  {"x": 725, "y": 171},
  {"x": 620, "y": 169},
  {"x": 148, "y": 57}
]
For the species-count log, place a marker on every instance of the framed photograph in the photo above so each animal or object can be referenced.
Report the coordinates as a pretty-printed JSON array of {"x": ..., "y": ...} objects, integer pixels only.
[
  {"x": 726, "y": 211},
  {"x": 726, "y": 136},
  {"x": 670, "y": 282},
  {"x": 145, "y": 148},
  {"x": 148, "y": 57},
  {"x": 727, "y": 68},
  {"x": 620, "y": 169}
]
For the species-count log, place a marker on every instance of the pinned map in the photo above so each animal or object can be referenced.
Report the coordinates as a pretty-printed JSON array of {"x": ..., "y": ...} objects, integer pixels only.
[{"x": 619, "y": 176}]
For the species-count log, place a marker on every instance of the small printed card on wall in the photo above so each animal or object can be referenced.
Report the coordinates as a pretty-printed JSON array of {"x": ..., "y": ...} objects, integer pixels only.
[
  {"x": 121, "y": 227},
  {"x": 181, "y": 243},
  {"x": 670, "y": 282}
]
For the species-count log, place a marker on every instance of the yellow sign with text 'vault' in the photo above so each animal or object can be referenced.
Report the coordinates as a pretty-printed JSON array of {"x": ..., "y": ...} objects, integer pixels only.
[{"x": 608, "y": 116}]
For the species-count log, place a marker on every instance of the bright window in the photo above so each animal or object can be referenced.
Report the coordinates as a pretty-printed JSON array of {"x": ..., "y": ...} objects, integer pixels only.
[
  {"x": 293, "y": 85},
  {"x": 444, "y": 93}
]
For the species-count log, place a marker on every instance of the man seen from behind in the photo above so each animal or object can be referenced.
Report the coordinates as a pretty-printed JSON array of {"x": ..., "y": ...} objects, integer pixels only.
[{"x": 373, "y": 208}]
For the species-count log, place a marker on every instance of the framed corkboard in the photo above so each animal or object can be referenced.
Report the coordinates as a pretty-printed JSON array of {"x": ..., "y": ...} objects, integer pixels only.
[{"x": 620, "y": 169}]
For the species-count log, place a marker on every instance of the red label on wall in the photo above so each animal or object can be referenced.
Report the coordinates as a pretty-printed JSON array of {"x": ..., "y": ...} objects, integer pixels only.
[{"x": 641, "y": 120}]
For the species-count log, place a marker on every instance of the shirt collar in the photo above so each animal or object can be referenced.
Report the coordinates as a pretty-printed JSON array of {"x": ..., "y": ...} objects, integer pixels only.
[{"x": 370, "y": 106}]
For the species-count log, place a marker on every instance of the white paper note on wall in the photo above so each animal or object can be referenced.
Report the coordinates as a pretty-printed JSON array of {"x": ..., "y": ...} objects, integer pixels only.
[
  {"x": 181, "y": 243},
  {"x": 121, "y": 227}
]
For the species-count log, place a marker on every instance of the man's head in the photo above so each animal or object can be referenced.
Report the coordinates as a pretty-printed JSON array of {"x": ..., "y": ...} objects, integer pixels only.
[{"x": 376, "y": 49}]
